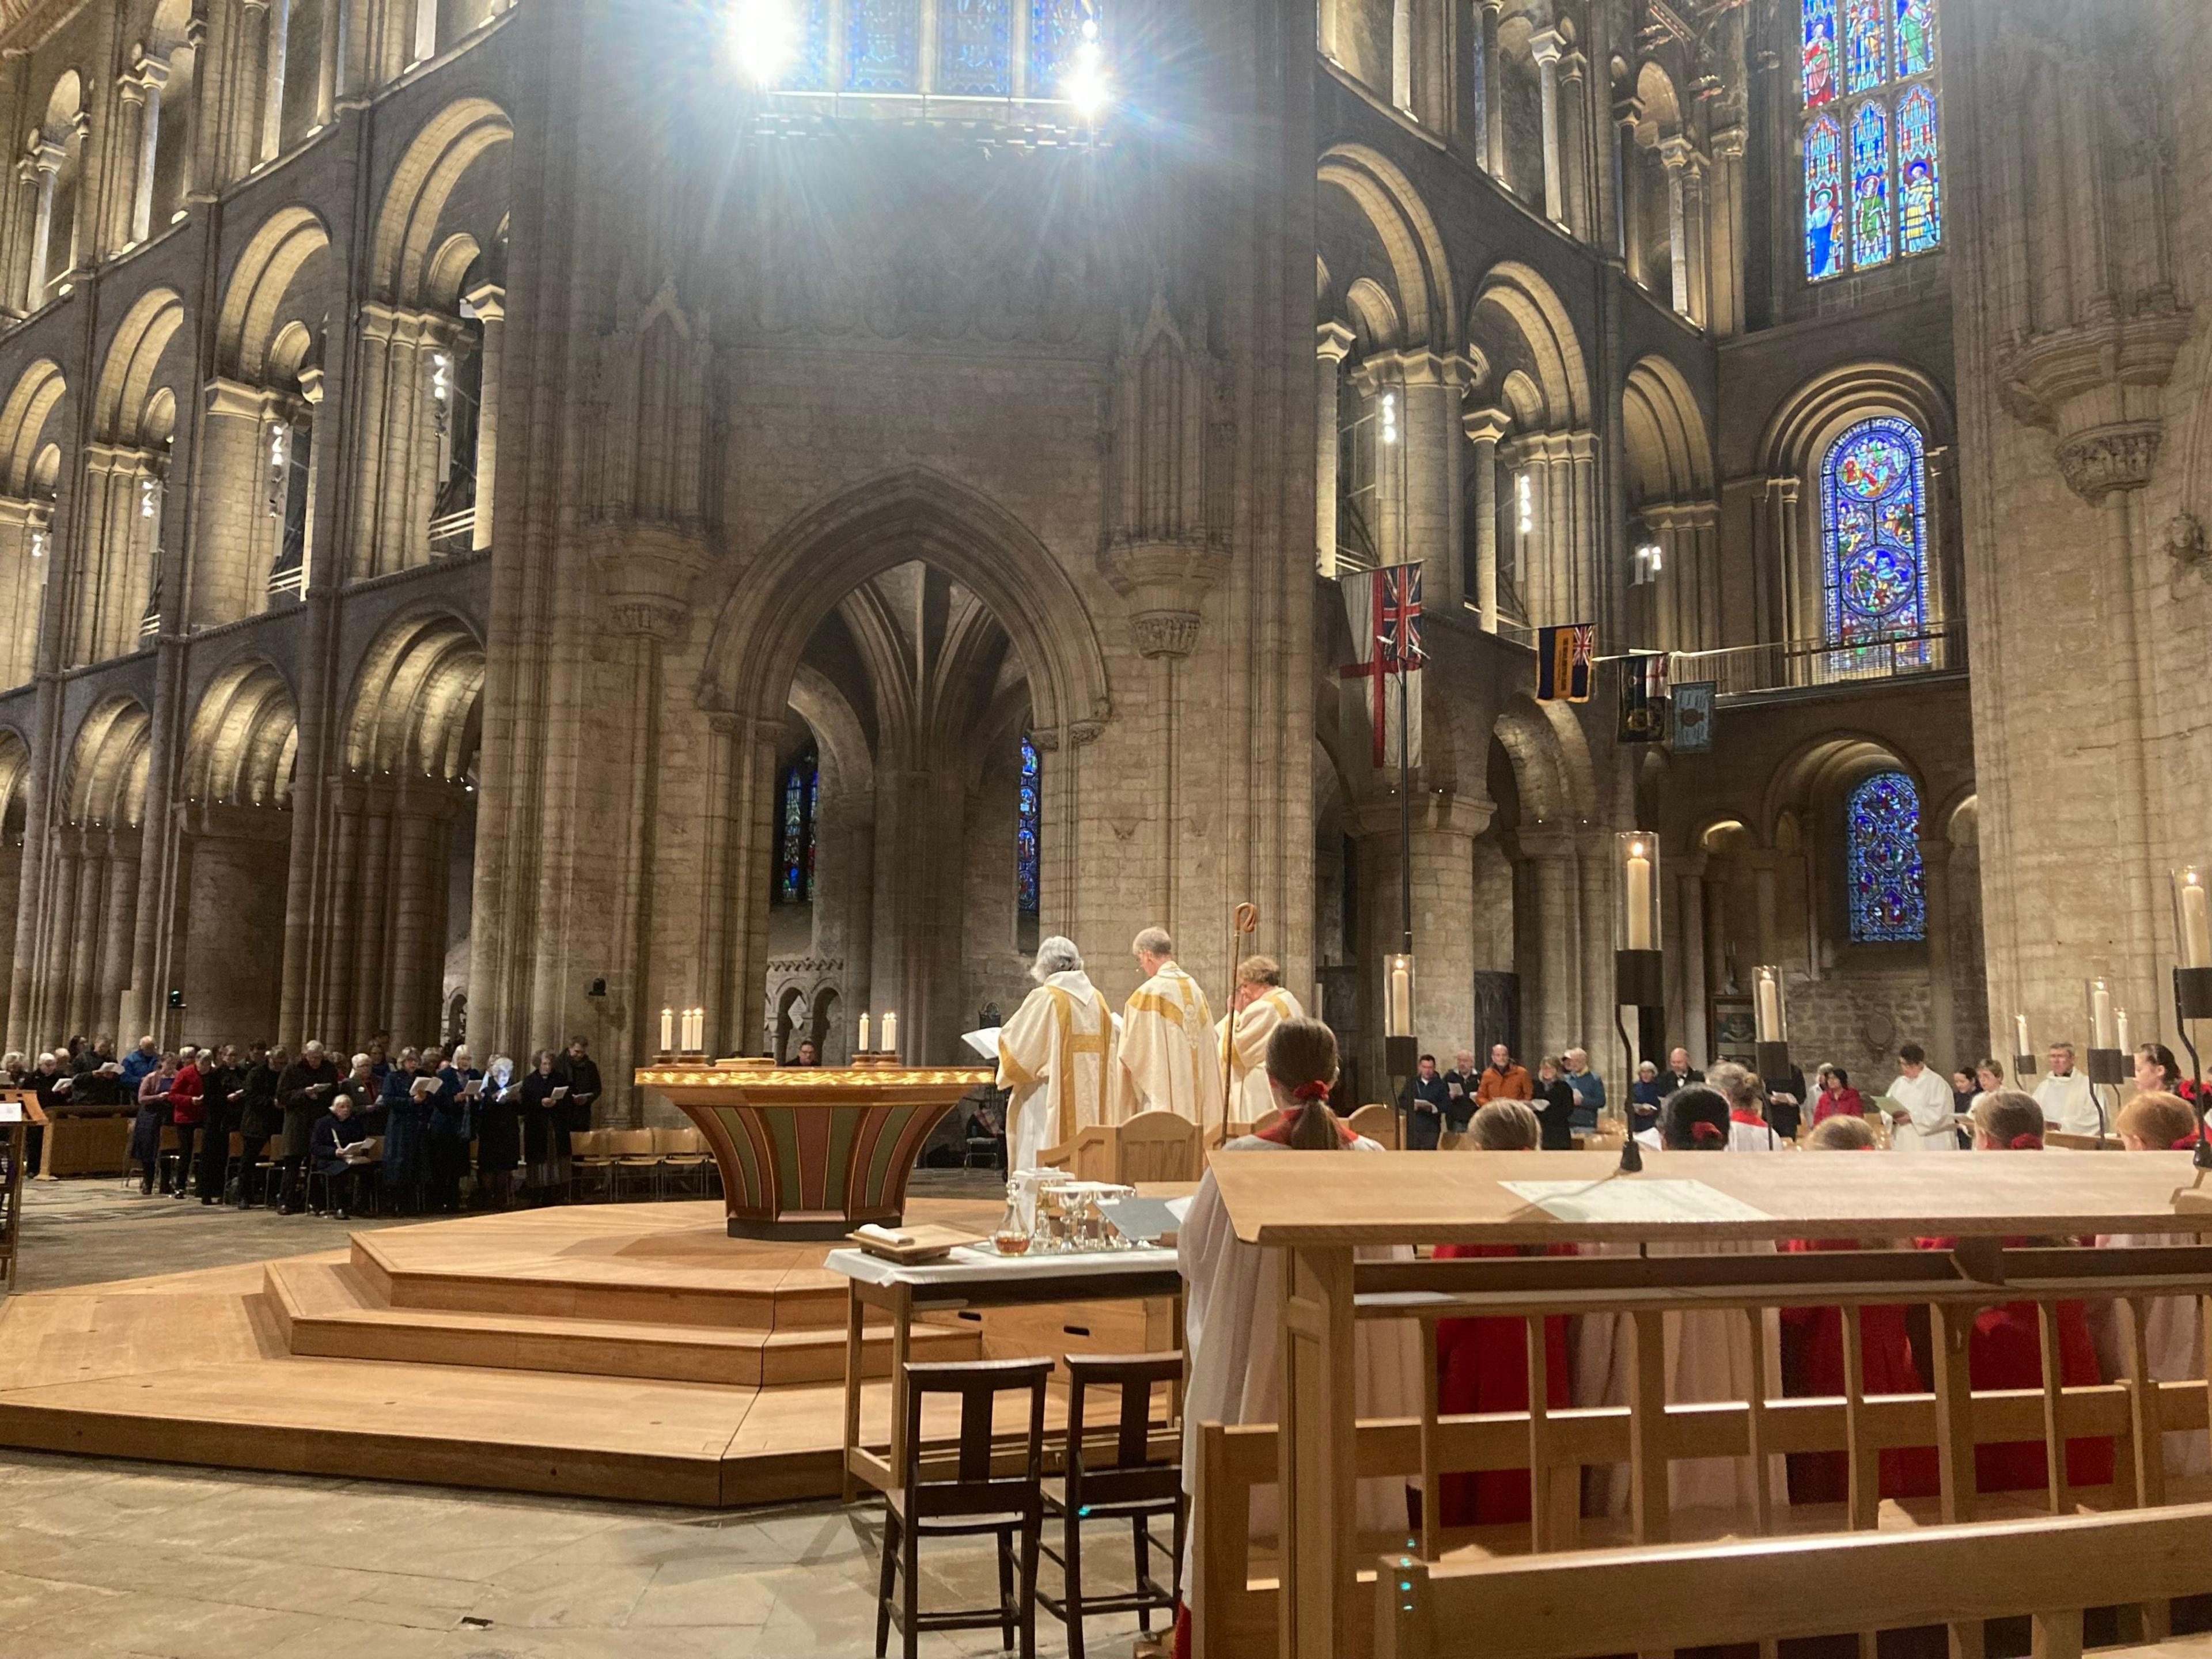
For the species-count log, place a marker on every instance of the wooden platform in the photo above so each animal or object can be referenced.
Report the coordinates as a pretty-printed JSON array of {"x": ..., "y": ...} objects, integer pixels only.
[{"x": 619, "y": 1351}]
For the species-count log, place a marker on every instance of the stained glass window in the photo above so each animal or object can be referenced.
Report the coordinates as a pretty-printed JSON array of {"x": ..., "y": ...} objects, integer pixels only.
[
  {"x": 1889, "y": 202},
  {"x": 973, "y": 49},
  {"x": 1025, "y": 836},
  {"x": 1870, "y": 244},
  {"x": 809, "y": 67},
  {"x": 1824, "y": 196},
  {"x": 1056, "y": 29},
  {"x": 794, "y": 836},
  {"x": 882, "y": 45},
  {"x": 1881, "y": 832},
  {"x": 1874, "y": 525}
]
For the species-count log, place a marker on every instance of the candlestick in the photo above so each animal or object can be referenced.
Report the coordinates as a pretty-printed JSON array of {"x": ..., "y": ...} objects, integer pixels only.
[
  {"x": 1398, "y": 1016},
  {"x": 2120, "y": 1021},
  {"x": 1766, "y": 984},
  {"x": 1639, "y": 902},
  {"x": 2019, "y": 1044},
  {"x": 861, "y": 1046},
  {"x": 2102, "y": 1031},
  {"x": 890, "y": 1032},
  {"x": 667, "y": 1030},
  {"x": 2193, "y": 911}
]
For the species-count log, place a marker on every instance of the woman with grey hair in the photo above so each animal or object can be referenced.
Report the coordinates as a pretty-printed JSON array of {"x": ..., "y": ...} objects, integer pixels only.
[{"x": 1054, "y": 1055}]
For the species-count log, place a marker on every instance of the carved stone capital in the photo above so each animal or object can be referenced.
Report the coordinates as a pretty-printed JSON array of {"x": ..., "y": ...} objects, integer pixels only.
[
  {"x": 1165, "y": 583},
  {"x": 2121, "y": 456},
  {"x": 647, "y": 572}
]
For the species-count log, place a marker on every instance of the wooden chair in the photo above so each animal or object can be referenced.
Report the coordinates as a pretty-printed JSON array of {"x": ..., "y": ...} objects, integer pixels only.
[
  {"x": 636, "y": 1162},
  {"x": 1092, "y": 1155},
  {"x": 1122, "y": 1483},
  {"x": 590, "y": 1162},
  {"x": 684, "y": 1161},
  {"x": 1158, "y": 1147},
  {"x": 1378, "y": 1123},
  {"x": 975, "y": 1500}
]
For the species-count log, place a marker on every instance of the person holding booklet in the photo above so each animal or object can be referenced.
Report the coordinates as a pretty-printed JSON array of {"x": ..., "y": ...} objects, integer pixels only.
[
  {"x": 337, "y": 1147},
  {"x": 496, "y": 1110},
  {"x": 545, "y": 1147},
  {"x": 451, "y": 1106},
  {"x": 304, "y": 1092}
]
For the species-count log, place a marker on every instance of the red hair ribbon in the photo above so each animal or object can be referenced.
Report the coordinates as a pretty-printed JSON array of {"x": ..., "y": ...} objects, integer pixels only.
[
  {"x": 1701, "y": 1132},
  {"x": 2028, "y": 1143},
  {"x": 1315, "y": 1090}
]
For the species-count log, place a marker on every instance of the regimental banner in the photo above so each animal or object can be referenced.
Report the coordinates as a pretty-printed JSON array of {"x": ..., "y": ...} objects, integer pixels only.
[
  {"x": 1693, "y": 717},
  {"x": 1384, "y": 609},
  {"x": 1644, "y": 698},
  {"x": 1566, "y": 659}
]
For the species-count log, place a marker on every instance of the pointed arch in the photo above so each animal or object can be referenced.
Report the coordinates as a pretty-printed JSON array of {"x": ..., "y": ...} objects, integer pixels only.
[
  {"x": 417, "y": 700},
  {"x": 1409, "y": 235},
  {"x": 440, "y": 155}
]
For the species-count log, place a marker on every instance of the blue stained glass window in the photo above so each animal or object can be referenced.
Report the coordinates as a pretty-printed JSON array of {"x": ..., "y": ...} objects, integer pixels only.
[
  {"x": 1056, "y": 29},
  {"x": 1919, "y": 173},
  {"x": 794, "y": 836},
  {"x": 1025, "y": 836},
  {"x": 810, "y": 54},
  {"x": 1819, "y": 52},
  {"x": 1867, "y": 44},
  {"x": 1825, "y": 235},
  {"x": 1870, "y": 238},
  {"x": 1916, "y": 37},
  {"x": 1875, "y": 527},
  {"x": 1881, "y": 831},
  {"x": 882, "y": 45},
  {"x": 973, "y": 48}
]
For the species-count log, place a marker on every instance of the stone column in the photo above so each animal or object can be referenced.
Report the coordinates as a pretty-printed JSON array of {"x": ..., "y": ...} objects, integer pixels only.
[
  {"x": 1675, "y": 152},
  {"x": 1715, "y": 908},
  {"x": 1547, "y": 46},
  {"x": 1332, "y": 345},
  {"x": 246, "y": 120},
  {"x": 426, "y": 30},
  {"x": 1696, "y": 221},
  {"x": 141, "y": 92},
  {"x": 1444, "y": 827},
  {"x": 50, "y": 1003},
  {"x": 1628, "y": 241},
  {"x": 1552, "y": 1018},
  {"x": 1491, "y": 69},
  {"x": 489, "y": 303},
  {"x": 1426, "y": 462},
  {"x": 1770, "y": 939},
  {"x": 1599, "y": 1031},
  {"x": 272, "y": 99},
  {"x": 1943, "y": 1015},
  {"x": 91, "y": 913},
  {"x": 1689, "y": 951},
  {"x": 1725, "y": 257},
  {"x": 327, "y": 54},
  {"x": 1574, "y": 141},
  {"x": 124, "y": 851},
  {"x": 1484, "y": 429},
  {"x": 46, "y": 161}
]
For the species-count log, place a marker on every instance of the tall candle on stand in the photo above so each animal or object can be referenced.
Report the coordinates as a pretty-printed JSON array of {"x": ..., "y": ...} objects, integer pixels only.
[
  {"x": 1770, "y": 1006},
  {"x": 2019, "y": 1047},
  {"x": 1639, "y": 898},
  {"x": 863, "y": 1046},
  {"x": 2120, "y": 1021},
  {"x": 2195, "y": 919},
  {"x": 1400, "y": 1021},
  {"x": 2101, "y": 1034},
  {"x": 890, "y": 1032},
  {"x": 667, "y": 1030}
]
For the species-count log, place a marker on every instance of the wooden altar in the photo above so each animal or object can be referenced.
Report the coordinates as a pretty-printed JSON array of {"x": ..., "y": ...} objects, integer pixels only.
[
  {"x": 1316, "y": 1213},
  {"x": 812, "y": 1152}
]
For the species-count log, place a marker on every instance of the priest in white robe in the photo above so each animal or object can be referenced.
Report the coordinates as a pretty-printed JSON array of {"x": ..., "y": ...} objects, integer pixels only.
[
  {"x": 1928, "y": 1121},
  {"x": 1261, "y": 1005},
  {"x": 1168, "y": 1062},
  {"x": 1056, "y": 1055},
  {"x": 2069, "y": 1104}
]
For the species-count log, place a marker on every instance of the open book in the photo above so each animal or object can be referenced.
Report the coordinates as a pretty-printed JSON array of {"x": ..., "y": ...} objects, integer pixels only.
[{"x": 985, "y": 1042}]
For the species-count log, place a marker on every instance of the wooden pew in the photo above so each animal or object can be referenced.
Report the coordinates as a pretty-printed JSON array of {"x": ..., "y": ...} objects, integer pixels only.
[{"x": 1655, "y": 1600}]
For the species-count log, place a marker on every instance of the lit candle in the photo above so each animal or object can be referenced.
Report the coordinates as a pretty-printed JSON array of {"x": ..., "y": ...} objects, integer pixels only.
[
  {"x": 1769, "y": 1007},
  {"x": 2020, "y": 1036},
  {"x": 2196, "y": 923},
  {"x": 2121, "y": 1018},
  {"x": 890, "y": 1032},
  {"x": 1639, "y": 898},
  {"x": 2101, "y": 1016},
  {"x": 1401, "y": 1000},
  {"x": 667, "y": 1030},
  {"x": 862, "y": 1046}
]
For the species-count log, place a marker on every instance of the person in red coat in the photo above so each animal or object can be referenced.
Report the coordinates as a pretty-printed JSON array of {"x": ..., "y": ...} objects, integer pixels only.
[
  {"x": 187, "y": 1110},
  {"x": 1482, "y": 1364},
  {"x": 1812, "y": 1363},
  {"x": 2005, "y": 1349}
]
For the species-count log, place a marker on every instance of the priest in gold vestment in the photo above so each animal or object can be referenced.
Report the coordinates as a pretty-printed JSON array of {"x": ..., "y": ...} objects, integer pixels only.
[
  {"x": 1261, "y": 1005},
  {"x": 1057, "y": 1054},
  {"x": 1169, "y": 1062}
]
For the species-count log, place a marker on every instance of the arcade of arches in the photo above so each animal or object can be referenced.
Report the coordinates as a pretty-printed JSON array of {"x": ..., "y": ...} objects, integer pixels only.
[{"x": 504, "y": 528}]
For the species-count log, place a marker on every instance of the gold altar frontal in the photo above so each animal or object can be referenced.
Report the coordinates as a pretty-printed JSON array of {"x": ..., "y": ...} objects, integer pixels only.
[{"x": 810, "y": 1153}]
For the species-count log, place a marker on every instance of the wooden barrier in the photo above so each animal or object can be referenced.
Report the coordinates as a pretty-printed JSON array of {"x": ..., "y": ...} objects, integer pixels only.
[
  {"x": 1655, "y": 1600},
  {"x": 1150, "y": 1146}
]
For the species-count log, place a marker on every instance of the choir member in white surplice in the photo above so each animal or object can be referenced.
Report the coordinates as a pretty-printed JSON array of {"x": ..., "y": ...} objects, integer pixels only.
[
  {"x": 2172, "y": 1328},
  {"x": 1708, "y": 1354},
  {"x": 1055, "y": 1055},
  {"x": 1928, "y": 1122},
  {"x": 1232, "y": 1309},
  {"x": 1168, "y": 1062},
  {"x": 1261, "y": 1007}
]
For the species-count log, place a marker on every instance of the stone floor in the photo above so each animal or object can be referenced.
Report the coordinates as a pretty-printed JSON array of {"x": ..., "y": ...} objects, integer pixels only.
[{"x": 103, "y": 1558}]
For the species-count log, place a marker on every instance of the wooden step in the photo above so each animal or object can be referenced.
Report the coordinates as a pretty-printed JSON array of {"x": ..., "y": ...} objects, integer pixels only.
[{"x": 331, "y": 1310}]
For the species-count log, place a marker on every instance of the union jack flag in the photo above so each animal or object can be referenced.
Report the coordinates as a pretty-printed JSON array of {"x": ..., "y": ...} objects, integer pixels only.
[{"x": 1384, "y": 610}]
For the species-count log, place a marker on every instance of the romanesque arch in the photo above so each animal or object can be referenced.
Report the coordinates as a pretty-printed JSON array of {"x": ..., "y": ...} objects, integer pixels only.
[
  {"x": 1409, "y": 235},
  {"x": 91, "y": 875},
  {"x": 1671, "y": 495},
  {"x": 33, "y": 424},
  {"x": 114, "y": 600},
  {"x": 1545, "y": 867}
]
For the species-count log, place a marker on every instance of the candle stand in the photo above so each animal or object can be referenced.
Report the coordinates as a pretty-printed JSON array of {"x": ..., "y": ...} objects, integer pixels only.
[{"x": 1639, "y": 972}]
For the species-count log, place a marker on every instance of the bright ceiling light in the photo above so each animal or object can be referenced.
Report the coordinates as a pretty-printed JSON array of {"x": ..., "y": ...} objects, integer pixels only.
[
  {"x": 763, "y": 38},
  {"x": 1086, "y": 85}
]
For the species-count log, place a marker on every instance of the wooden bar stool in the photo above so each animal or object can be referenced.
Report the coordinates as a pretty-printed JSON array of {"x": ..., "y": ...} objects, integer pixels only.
[
  {"x": 972, "y": 1501},
  {"x": 1123, "y": 1485}
]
